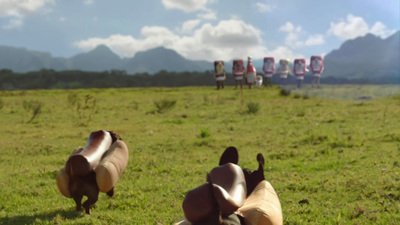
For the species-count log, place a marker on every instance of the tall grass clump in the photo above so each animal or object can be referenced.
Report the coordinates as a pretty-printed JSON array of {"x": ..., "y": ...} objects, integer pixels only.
[
  {"x": 73, "y": 98},
  {"x": 86, "y": 110},
  {"x": 33, "y": 106},
  {"x": 205, "y": 133},
  {"x": 284, "y": 92},
  {"x": 164, "y": 105},
  {"x": 253, "y": 107}
]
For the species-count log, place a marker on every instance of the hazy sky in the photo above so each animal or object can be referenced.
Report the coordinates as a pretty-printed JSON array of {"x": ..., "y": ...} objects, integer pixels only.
[{"x": 197, "y": 29}]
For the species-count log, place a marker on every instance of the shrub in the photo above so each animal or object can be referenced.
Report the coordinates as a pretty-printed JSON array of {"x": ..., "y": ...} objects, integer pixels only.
[
  {"x": 284, "y": 92},
  {"x": 33, "y": 106},
  {"x": 86, "y": 110},
  {"x": 72, "y": 98},
  {"x": 253, "y": 107},
  {"x": 164, "y": 105},
  {"x": 301, "y": 113},
  {"x": 204, "y": 133}
]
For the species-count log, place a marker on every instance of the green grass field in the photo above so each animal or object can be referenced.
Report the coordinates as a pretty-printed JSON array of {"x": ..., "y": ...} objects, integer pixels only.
[{"x": 327, "y": 146}]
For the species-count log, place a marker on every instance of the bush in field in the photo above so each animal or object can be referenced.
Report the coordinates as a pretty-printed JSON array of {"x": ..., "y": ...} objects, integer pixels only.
[
  {"x": 204, "y": 133},
  {"x": 35, "y": 107},
  {"x": 296, "y": 96},
  {"x": 86, "y": 110},
  {"x": 253, "y": 107},
  {"x": 1, "y": 103},
  {"x": 164, "y": 105},
  {"x": 284, "y": 92},
  {"x": 73, "y": 98}
]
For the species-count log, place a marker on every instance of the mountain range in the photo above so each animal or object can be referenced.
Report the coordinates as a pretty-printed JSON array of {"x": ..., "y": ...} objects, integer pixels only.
[
  {"x": 99, "y": 59},
  {"x": 367, "y": 56}
]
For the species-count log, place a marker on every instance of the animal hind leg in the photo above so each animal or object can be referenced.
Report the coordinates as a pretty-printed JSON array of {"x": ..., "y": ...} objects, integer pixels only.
[
  {"x": 89, "y": 203},
  {"x": 92, "y": 193},
  {"x": 78, "y": 202}
]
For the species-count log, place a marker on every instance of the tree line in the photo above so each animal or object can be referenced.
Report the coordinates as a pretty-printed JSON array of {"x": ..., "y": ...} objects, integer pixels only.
[{"x": 73, "y": 79}]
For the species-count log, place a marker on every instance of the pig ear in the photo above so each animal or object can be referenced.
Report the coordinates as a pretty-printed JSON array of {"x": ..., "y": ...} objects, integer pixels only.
[{"x": 230, "y": 155}]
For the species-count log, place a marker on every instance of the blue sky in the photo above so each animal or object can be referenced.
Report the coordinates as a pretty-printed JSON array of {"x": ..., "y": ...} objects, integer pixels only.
[{"x": 197, "y": 29}]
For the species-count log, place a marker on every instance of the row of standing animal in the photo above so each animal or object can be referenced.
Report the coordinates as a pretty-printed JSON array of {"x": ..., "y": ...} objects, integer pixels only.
[{"x": 249, "y": 73}]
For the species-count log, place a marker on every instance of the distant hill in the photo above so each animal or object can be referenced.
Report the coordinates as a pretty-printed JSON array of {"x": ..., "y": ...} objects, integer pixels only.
[
  {"x": 368, "y": 56},
  {"x": 362, "y": 57},
  {"x": 157, "y": 59},
  {"x": 100, "y": 59},
  {"x": 24, "y": 60}
]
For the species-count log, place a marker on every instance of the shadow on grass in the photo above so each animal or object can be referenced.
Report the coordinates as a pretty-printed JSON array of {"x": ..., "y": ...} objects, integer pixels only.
[{"x": 56, "y": 215}]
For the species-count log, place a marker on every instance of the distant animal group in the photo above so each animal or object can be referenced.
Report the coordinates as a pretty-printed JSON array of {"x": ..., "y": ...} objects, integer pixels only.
[
  {"x": 249, "y": 73},
  {"x": 230, "y": 195}
]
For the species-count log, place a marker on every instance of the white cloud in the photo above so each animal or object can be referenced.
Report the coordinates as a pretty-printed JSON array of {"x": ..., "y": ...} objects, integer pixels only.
[
  {"x": 380, "y": 29},
  {"x": 288, "y": 27},
  {"x": 189, "y": 25},
  {"x": 21, "y": 8},
  {"x": 208, "y": 14},
  {"x": 16, "y": 10},
  {"x": 185, "y": 5},
  {"x": 355, "y": 26},
  {"x": 292, "y": 38},
  {"x": 230, "y": 33},
  {"x": 317, "y": 39},
  {"x": 122, "y": 45},
  {"x": 263, "y": 8},
  {"x": 192, "y": 6},
  {"x": 128, "y": 46},
  {"x": 294, "y": 34},
  {"x": 283, "y": 52},
  {"x": 227, "y": 40}
]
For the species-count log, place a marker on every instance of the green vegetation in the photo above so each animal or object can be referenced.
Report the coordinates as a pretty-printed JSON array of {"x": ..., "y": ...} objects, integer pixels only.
[
  {"x": 34, "y": 107},
  {"x": 164, "y": 105},
  {"x": 76, "y": 79},
  {"x": 253, "y": 107},
  {"x": 331, "y": 161}
]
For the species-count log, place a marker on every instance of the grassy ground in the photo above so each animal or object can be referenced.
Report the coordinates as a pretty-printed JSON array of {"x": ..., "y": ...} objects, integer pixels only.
[{"x": 341, "y": 156}]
